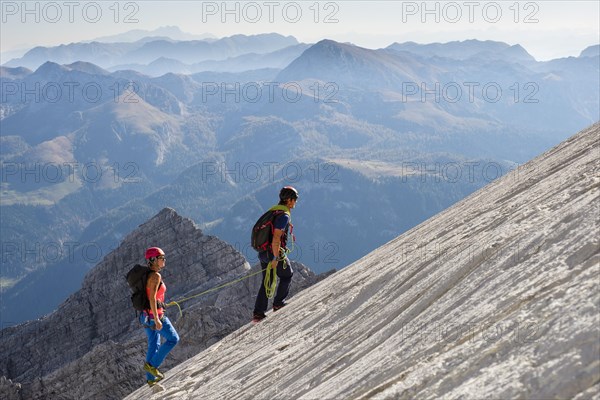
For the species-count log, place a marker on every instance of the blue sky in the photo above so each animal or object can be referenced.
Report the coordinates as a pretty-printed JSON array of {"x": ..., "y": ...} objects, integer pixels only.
[{"x": 547, "y": 29}]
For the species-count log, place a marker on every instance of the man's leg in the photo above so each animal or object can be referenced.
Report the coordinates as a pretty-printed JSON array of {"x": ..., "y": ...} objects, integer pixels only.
[
  {"x": 261, "y": 304},
  {"x": 285, "y": 273}
]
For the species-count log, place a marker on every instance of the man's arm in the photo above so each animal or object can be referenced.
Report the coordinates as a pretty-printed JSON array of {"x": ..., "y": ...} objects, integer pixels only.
[{"x": 276, "y": 243}]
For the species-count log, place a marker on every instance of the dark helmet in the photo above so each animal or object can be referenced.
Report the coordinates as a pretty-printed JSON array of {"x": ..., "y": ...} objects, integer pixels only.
[
  {"x": 154, "y": 252},
  {"x": 288, "y": 192}
]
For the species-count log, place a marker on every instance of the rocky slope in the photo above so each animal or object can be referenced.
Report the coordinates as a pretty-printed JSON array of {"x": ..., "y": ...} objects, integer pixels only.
[
  {"x": 496, "y": 297},
  {"x": 92, "y": 347}
]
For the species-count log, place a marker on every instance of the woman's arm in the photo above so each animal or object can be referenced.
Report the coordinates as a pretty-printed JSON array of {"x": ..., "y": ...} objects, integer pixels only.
[{"x": 152, "y": 284}]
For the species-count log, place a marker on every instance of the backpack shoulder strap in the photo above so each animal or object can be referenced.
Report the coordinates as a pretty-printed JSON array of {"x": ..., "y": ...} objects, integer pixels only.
[
  {"x": 150, "y": 272},
  {"x": 280, "y": 207}
]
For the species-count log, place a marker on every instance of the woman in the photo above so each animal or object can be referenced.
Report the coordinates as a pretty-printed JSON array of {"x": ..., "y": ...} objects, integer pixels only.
[{"x": 156, "y": 323}]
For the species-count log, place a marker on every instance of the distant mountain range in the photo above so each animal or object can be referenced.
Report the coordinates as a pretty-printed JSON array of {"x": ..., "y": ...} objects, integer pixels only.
[
  {"x": 466, "y": 50},
  {"x": 277, "y": 59},
  {"x": 376, "y": 140},
  {"x": 170, "y": 32},
  {"x": 145, "y": 51}
]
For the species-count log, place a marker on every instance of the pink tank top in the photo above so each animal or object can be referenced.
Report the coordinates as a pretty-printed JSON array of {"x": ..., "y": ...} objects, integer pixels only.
[{"x": 160, "y": 296}]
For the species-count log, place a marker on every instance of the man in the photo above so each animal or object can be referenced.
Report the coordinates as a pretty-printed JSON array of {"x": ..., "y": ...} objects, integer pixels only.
[
  {"x": 276, "y": 252},
  {"x": 154, "y": 319}
]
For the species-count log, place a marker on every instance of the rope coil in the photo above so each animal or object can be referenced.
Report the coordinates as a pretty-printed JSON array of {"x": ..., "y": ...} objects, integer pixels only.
[{"x": 271, "y": 279}]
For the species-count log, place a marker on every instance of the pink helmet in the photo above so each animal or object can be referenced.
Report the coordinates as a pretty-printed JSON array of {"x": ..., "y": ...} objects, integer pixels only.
[{"x": 153, "y": 252}]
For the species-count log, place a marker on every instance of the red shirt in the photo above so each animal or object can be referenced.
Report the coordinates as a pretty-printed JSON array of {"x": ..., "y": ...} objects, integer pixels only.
[{"x": 160, "y": 296}]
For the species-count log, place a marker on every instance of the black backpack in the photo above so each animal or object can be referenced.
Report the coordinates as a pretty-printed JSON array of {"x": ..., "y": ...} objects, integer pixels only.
[
  {"x": 136, "y": 279},
  {"x": 262, "y": 231}
]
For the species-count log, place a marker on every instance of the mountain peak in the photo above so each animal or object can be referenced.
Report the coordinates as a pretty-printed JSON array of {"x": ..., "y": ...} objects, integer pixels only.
[
  {"x": 591, "y": 51},
  {"x": 331, "y": 44},
  {"x": 87, "y": 67},
  {"x": 50, "y": 67},
  {"x": 349, "y": 65},
  {"x": 170, "y": 217},
  {"x": 14, "y": 73}
]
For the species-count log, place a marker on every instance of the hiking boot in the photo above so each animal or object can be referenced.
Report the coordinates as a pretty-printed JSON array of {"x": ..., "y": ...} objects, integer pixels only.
[
  {"x": 278, "y": 307},
  {"x": 154, "y": 371},
  {"x": 257, "y": 317},
  {"x": 153, "y": 382}
]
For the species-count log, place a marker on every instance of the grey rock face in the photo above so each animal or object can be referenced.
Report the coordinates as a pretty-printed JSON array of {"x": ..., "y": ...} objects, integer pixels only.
[
  {"x": 92, "y": 346},
  {"x": 497, "y": 297},
  {"x": 9, "y": 390}
]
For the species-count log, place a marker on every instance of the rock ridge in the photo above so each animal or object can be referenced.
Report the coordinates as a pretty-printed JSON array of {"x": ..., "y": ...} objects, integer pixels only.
[{"x": 77, "y": 351}]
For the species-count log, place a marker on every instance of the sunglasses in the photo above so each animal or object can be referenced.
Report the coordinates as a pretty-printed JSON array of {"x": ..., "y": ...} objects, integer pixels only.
[{"x": 161, "y": 258}]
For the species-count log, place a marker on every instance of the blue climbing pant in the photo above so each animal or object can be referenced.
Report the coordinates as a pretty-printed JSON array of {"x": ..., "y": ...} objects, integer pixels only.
[{"x": 157, "y": 351}]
